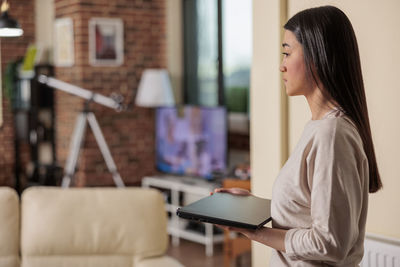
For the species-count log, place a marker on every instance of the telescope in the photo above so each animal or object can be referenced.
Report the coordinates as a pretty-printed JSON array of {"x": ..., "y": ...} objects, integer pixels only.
[
  {"x": 114, "y": 102},
  {"x": 86, "y": 115}
]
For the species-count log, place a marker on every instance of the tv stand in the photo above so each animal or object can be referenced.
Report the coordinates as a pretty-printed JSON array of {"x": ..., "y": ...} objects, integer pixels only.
[{"x": 176, "y": 187}]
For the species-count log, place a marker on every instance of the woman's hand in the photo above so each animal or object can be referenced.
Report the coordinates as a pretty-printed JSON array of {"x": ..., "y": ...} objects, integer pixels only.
[
  {"x": 233, "y": 191},
  {"x": 246, "y": 232},
  {"x": 239, "y": 192},
  {"x": 272, "y": 237}
]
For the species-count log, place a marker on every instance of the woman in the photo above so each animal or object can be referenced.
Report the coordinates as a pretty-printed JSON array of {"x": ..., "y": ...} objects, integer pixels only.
[{"x": 320, "y": 197}]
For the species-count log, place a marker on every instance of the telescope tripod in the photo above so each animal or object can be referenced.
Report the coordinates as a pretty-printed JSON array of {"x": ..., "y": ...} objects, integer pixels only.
[{"x": 76, "y": 143}]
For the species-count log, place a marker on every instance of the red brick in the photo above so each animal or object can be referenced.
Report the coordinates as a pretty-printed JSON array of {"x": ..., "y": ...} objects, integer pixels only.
[{"x": 11, "y": 49}]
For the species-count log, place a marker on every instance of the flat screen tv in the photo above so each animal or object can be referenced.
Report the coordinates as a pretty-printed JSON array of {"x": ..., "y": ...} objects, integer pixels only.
[{"x": 191, "y": 141}]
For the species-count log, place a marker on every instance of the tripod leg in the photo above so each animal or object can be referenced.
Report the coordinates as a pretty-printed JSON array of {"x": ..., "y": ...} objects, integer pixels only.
[
  {"x": 104, "y": 149},
  {"x": 74, "y": 149}
]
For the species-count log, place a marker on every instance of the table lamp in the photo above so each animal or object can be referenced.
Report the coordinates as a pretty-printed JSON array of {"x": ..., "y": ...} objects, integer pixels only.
[{"x": 155, "y": 89}]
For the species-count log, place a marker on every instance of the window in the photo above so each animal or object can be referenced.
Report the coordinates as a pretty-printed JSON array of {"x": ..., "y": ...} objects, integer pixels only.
[{"x": 217, "y": 53}]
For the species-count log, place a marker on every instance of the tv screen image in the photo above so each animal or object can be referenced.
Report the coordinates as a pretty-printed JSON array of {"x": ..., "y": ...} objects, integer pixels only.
[{"x": 191, "y": 141}]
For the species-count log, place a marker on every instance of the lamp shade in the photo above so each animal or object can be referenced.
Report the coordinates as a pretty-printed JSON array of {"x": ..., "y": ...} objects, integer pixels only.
[
  {"x": 155, "y": 89},
  {"x": 9, "y": 27}
]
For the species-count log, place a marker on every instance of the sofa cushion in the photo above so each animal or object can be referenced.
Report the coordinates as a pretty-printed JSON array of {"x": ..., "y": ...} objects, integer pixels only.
[
  {"x": 9, "y": 230},
  {"x": 88, "y": 224},
  {"x": 78, "y": 261},
  {"x": 99, "y": 261}
]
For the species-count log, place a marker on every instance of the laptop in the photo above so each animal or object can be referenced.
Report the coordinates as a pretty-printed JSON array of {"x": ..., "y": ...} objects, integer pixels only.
[{"x": 249, "y": 212}]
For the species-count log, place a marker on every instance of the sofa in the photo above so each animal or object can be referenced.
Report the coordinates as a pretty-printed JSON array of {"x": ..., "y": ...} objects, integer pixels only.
[{"x": 102, "y": 227}]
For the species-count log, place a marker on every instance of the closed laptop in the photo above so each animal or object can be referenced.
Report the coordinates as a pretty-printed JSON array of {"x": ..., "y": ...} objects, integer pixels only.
[{"x": 231, "y": 210}]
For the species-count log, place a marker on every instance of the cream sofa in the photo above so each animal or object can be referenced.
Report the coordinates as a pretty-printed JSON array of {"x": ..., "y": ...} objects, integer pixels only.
[{"x": 101, "y": 227}]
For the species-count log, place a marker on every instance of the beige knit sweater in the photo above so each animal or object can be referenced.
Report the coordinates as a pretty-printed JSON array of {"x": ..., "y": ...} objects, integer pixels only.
[{"x": 321, "y": 196}]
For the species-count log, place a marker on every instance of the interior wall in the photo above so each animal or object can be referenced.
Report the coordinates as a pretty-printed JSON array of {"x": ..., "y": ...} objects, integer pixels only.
[
  {"x": 44, "y": 18},
  {"x": 175, "y": 47},
  {"x": 266, "y": 132},
  {"x": 129, "y": 134}
]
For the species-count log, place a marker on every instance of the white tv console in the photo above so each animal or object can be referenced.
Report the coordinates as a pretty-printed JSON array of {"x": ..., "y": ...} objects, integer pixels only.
[{"x": 192, "y": 188}]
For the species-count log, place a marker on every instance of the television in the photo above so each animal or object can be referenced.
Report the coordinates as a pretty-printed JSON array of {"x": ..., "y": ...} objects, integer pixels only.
[{"x": 191, "y": 141}]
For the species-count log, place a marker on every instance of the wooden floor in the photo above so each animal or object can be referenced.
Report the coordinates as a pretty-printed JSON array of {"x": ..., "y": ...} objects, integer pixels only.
[{"x": 192, "y": 254}]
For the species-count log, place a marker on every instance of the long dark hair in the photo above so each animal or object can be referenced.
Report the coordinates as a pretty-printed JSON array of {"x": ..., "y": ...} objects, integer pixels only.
[{"x": 331, "y": 57}]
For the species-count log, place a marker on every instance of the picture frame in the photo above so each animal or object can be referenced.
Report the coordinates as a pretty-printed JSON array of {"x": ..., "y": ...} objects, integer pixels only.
[
  {"x": 64, "y": 51},
  {"x": 106, "y": 44}
]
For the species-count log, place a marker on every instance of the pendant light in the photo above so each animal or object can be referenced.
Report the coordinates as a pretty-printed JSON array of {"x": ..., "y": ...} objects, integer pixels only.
[{"x": 9, "y": 27}]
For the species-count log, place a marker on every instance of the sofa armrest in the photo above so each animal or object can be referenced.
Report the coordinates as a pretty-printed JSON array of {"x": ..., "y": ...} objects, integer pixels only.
[
  {"x": 164, "y": 261},
  {"x": 9, "y": 230}
]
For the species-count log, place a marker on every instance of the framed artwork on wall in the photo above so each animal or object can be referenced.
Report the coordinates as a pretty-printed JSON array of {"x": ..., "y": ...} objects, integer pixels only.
[
  {"x": 64, "y": 42},
  {"x": 106, "y": 42}
]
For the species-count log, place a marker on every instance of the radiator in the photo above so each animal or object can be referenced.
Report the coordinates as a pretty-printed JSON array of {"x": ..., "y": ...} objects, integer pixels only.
[{"x": 380, "y": 251}]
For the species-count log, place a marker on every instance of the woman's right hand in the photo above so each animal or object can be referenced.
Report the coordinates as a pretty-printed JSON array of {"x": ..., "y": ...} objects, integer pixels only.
[{"x": 233, "y": 191}]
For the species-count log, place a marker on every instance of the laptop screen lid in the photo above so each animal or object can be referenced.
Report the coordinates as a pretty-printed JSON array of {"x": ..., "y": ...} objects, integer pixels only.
[{"x": 231, "y": 210}]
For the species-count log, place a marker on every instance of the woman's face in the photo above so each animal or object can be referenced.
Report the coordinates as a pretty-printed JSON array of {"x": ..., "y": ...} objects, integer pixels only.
[{"x": 293, "y": 67}]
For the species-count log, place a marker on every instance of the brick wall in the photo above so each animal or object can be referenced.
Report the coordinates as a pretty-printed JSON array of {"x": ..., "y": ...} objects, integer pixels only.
[
  {"x": 129, "y": 134},
  {"x": 7, "y": 147},
  {"x": 11, "y": 49}
]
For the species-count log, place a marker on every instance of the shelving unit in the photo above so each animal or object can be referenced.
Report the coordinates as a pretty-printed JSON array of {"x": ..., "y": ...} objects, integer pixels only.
[
  {"x": 178, "y": 189},
  {"x": 33, "y": 108}
]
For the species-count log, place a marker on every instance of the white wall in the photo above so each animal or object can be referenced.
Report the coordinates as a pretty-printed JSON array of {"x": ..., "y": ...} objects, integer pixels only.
[
  {"x": 175, "y": 46},
  {"x": 44, "y": 18},
  {"x": 266, "y": 101},
  {"x": 376, "y": 24}
]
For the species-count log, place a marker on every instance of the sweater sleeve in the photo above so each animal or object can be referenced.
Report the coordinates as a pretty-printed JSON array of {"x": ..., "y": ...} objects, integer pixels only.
[{"x": 336, "y": 170}]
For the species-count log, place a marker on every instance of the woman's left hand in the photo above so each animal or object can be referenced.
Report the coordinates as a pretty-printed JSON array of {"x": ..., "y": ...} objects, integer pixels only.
[
  {"x": 272, "y": 237},
  {"x": 246, "y": 232}
]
